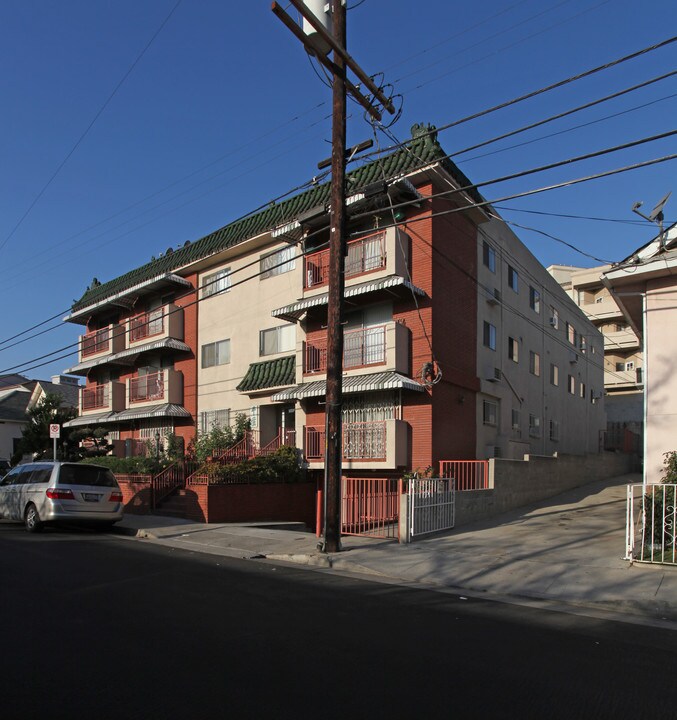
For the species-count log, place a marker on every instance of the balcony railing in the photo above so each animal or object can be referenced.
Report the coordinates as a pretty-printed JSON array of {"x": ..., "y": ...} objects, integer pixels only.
[
  {"x": 363, "y": 347},
  {"x": 95, "y": 342},
  {"x": 95, "y": 397},
  {"x": 361, "y": 441},
  {"x": 147, "y": 324},
  {"x": 365, "y": 255},
  {"x": 146, "y": 388}
]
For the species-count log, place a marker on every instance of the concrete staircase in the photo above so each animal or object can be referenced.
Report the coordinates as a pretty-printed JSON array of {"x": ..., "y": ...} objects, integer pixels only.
[{"x": 173, "y": 505}]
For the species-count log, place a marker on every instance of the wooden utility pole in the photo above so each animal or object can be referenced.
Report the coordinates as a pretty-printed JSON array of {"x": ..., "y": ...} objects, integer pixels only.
[
  {"x": 337, "y": 239},
  {"x": 337, "y": 254}
]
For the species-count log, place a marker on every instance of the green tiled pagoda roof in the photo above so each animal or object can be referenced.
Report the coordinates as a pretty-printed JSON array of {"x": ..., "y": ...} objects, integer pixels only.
[
  {"x": 421, "y": 150},
  {"x": 269, "y": 374}
]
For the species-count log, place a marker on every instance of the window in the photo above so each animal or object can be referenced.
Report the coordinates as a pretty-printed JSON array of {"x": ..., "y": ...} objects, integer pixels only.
[
  {"x": 554, "y": 430},
  {"x": 571, "y": 333},
  {"x": 515, "y": 419},
  {"x": 217, "y": 353},
  {"x": 489, "y": 412},
  {"x": 534, "y": 363},
  {"x": 278, "y": 262},
  {"x": 583, "y": 343},
  {"x": 554, "y": 317},
  {"x": 489, "y": 256},
  {"x": 214, "y": 418},
  {"x": 638, "y": 373},
  {"x": 599, "y": 299},
  {"x": 629, "y": 365},
  {"x": 216, "y": 283},
  {"x": 277, "y": 340},
  {"x": 534, "y": 426},
  {"x": 534, "y": 300},
  {"x": 571, "y": 384},
  {"x": 620, "y": 366},
  {"x": 513, "y": 349},
  {"x": 513, "y": 278},
  {"x": 582, "y": 390},
  {"x": 489, "y": 335},
  {"x": 554, "y": 374}
]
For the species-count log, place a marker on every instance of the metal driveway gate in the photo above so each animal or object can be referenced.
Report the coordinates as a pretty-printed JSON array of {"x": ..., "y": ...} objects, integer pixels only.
[
  {"x": 432, "y": 505},
  {"x": 651, "y": 518},
  {"x": 371, "y": 507}
]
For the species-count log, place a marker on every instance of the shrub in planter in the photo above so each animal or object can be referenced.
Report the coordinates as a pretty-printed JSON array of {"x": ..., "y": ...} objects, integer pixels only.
[
  {"x": 282, "y": 466},
  {"x": 130, "y": 465}
]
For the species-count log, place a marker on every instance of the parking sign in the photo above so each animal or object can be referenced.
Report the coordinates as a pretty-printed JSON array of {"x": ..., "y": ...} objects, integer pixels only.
[{"x": 54, "y": 431}]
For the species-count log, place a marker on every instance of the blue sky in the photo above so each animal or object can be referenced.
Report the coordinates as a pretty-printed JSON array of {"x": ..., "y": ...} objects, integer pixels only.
[{"x": 224, "y": 112}]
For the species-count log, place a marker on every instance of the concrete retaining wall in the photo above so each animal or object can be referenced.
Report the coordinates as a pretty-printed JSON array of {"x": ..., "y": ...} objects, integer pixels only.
[{"x": 516, "y": 483}]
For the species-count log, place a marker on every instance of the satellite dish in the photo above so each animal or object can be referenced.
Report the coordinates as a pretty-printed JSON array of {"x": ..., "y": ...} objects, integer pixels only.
[{"x": 657, "y": 212}]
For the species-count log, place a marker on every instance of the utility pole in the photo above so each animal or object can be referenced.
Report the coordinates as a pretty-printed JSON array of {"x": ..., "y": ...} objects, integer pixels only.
[
  {"x": 337, "y": 253},
  {"x": 336, "y": 40}
]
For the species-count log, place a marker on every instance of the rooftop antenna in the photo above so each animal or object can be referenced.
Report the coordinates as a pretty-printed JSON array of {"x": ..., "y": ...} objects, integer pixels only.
[{"x": 656, "y": 216}]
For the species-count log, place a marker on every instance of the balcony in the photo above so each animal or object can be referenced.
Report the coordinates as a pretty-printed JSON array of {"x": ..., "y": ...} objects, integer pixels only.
[
  {"x": 620, "y": 340},
  {"x": 157, "y": 388},
  {"x": 381, "y": 254},
  {"x": 108, "y": 397},
  {"x": 163, "y": 322},
  {"x": 367, "y": 445},
  {"x": 383, "y": 346},
  {"x": 105, "y": 341},
  {"x": 606, "y": 309}
]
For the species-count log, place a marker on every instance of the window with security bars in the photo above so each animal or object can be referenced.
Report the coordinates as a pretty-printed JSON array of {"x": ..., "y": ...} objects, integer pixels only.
[
  {"x": 216, "y": 283},
  {"x": 534, "y": 363},
  {"x": 515, "y": 420},
  {"x": 214, "y": 418},
  {"x": 149, "y": 428},
  {"x": 534, "y": 426},
  {"x": 278, "y": 262},
  {"x": 489, "y": 412},
  {"x": 554, "y": 430}
]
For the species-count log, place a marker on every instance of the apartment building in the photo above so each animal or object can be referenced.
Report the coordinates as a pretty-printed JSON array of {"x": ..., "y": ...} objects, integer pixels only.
[
  {"x": 623, "y": 361},
  {"x": 457, "y": 343},
  {"x": 643, "y": 286}
]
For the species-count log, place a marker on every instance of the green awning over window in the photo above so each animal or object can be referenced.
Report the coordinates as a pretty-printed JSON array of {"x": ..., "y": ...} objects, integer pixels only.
[{"x": 269, "y": 374}]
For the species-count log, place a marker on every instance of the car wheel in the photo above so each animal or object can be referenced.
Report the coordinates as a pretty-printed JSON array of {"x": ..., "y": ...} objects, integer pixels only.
[{"x": 32, "y": 519}]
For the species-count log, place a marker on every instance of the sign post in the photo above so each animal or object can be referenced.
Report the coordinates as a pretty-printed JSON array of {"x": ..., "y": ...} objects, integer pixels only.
[{"x": 55, "y": 434}]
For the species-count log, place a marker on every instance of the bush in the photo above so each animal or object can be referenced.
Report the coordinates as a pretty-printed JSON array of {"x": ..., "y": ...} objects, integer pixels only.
[
  {"x": 130, "y": 465},
  {"x": 282, "y": 466},
  {"x": 207, "y": 444}
]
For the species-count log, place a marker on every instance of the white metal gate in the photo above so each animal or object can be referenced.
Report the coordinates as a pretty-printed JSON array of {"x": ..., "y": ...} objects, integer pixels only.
[
  {"x": 432, "y": 505},
  {"x": 651, "y": 518}
]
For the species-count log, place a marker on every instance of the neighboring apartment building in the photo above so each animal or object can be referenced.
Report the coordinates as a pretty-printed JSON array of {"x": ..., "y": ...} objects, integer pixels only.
[
  {"x": 623, "y": 362},
  {"x": 645, "y": 288},
  {"x": 446, "y": 293}
]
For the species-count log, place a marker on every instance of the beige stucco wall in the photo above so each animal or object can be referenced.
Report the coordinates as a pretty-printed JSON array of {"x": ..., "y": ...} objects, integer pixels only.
[
  {"x": 660, "y": 340},
  {"x": 238, "y": 315},
  {"x": 580, "y": 421}
]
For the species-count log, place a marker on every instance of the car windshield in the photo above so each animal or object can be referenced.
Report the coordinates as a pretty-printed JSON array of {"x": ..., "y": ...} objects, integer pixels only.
[{"x": 86, "y": 475}]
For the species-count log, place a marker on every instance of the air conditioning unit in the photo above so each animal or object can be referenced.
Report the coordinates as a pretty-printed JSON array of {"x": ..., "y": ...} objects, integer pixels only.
[
  {"x": 494, "y": 297},
  {"x": 553, "y": 322},
  {"x": 494, "y": 375},
  {"x": 573, "y": 358}
]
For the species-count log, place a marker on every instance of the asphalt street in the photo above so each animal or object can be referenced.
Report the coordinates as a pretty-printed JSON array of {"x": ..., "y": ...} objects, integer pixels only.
[{"x": 99, "y": 626}]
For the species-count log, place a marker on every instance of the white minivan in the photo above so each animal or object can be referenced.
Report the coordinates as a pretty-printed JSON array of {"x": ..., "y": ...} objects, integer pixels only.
[{"x": 49, "y": 492}]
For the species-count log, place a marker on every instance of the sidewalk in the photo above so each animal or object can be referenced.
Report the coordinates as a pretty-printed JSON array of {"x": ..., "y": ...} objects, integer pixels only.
[{"x": 566, "y": 550}]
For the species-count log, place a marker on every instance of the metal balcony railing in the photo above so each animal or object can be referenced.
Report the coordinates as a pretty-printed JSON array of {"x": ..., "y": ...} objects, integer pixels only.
[
  {"x": 363, "y": 347},
  {"x": 147, "y": 324},
  {"x": 95, "y": 342},
  {"x": 365, "y": 255},
  {"x": 361, "y": 441},
  {"x": 146, "y": 388},
  {"x": 95, "y": 397}
]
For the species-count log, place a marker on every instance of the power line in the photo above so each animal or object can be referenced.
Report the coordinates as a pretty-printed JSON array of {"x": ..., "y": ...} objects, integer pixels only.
[
  {"x": 91, "y": 125},
  {"x": 574, "y": 217},
  {"x": 540, "y": 91}
]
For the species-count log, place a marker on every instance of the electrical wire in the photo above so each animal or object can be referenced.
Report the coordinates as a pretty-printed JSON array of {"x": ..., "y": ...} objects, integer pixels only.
[{"x": 90, "y": 125}]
